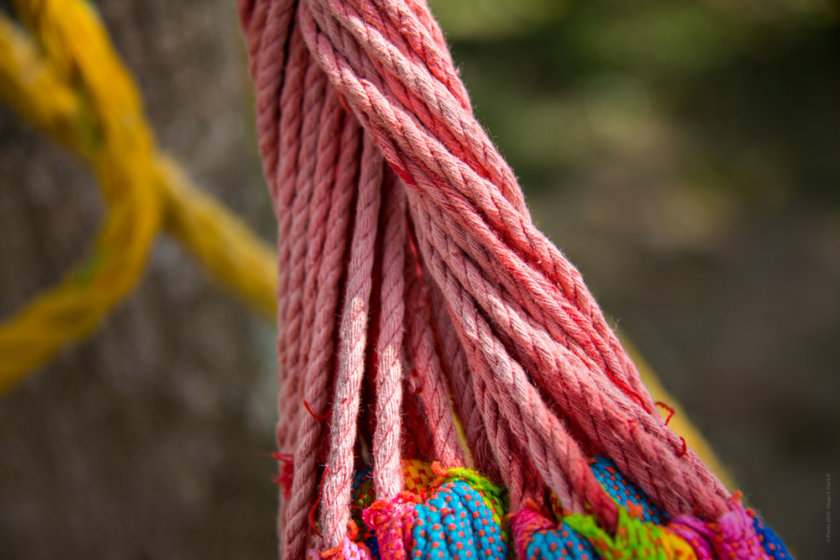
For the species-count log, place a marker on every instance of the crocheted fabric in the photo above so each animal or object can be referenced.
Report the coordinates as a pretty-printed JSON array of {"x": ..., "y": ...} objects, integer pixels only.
[
  {"x": 537, "y": 537},
  {"x": 418, "y": 478},
  {"x": 460, "y": 515},
  {"x": 624, "y": 493},
  {"x": 456, "y": 523},
  {"x": 771, "y": 543}
]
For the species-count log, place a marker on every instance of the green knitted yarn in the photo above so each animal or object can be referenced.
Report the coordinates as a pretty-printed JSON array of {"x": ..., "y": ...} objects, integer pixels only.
[{"x": 633, "y": 539}]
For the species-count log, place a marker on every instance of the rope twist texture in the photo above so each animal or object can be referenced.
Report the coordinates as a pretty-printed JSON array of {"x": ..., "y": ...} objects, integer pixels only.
[{"x": 501, "y": 334}]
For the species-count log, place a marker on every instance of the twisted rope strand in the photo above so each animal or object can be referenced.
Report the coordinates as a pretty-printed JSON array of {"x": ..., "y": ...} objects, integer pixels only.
[
  {"x": 467, "y": 216},
  {"x": 494, "y": 314},
  {"x": 295, "y": 244},
  {"x": 586, "y": 400},
  {"x": 428, "y": 369},
  {"x": 411, "y": 83},
  {"x": 406, "y": 116},
  {"x": 387, "y": 474},
  {"x": 335, "y": 511},
  {"x": 463, "y": 395},
  {"x": 326, "y": 154},
  {"x": 323, "y": 343},
  {"x": 553, "y": 451},
  {"x": 379, "y": 114},
  {"x": 269, "y": 34}
]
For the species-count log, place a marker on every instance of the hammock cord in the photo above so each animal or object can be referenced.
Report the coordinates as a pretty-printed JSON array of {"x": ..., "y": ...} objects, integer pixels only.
[{"x": 494, "y": 312}]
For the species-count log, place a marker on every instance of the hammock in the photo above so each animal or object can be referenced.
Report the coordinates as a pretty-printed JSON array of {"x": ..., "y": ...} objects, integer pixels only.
[
  {"x": 449, "y": 387},
  {"x": 417, "y": 300}
]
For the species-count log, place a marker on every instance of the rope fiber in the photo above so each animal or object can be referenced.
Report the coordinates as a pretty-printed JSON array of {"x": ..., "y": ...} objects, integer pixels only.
[{"x": 493, "y": 311}]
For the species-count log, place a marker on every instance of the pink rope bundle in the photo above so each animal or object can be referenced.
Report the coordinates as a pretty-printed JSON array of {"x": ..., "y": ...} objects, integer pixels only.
[{"x": 415, "y": 288}]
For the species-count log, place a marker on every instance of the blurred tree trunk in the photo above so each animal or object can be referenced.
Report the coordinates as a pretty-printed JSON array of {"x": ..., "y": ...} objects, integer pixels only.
[{"x": 151, "y": 439}]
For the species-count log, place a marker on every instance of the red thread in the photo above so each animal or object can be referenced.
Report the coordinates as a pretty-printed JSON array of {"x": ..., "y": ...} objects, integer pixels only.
[
  {"x": 314, "y": 507},
  {"x": 624, "y": 386},
  {"x": 670, "y": 410},
  {"x": 316, "y": 416},
  {"x": 286, "y": 472}
]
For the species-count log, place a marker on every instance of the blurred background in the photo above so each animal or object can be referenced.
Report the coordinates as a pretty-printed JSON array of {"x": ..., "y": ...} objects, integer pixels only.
[{"x": 683, "y": 155}]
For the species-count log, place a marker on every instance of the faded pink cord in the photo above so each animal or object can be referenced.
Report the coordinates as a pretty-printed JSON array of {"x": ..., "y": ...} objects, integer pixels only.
[
  {"x": 429, "y": 371},
  {"x": 387, "y": 473},
  {"x": 352, "y": 339},
  {"x": 428, "y": 283}
]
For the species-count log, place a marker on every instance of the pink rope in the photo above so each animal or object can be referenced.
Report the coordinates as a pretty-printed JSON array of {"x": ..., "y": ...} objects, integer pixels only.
[
  {"x": 387, "y": 474},
  {"x": 320, "y": 361},
  {"x": 432, "y": 279},
  {"x": 352, "y": 339},
  {"x": 463, "y": 394},
  {"x": 429, "y": 372}
]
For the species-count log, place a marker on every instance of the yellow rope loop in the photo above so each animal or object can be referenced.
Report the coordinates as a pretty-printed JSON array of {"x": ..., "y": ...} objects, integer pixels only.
[
  {"x": 115, "y": 142},
  {"x": 32, "y": 86},
  {"x": 65, "y": 78}
]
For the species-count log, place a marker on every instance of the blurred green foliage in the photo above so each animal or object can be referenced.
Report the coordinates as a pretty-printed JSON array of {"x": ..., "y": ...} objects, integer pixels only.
[{"x": 748, "y": 90}]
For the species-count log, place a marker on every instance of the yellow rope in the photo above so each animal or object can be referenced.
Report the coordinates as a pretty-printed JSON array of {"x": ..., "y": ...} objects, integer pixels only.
[{"x": 63, "y": 75}]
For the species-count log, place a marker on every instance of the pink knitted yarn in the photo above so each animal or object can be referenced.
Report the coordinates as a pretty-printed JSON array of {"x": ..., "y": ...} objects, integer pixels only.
[
  {"x": 393, "y": 522},
  {"x": 406, "y": 249},
  {"x": 525, "y": 522},
  {"x": 731, "y": 536},
  {"x": 346, "y": 550}
]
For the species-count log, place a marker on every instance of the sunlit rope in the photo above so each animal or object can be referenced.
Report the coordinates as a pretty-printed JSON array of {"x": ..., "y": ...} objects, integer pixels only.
[{"x": 344, "y": 87}]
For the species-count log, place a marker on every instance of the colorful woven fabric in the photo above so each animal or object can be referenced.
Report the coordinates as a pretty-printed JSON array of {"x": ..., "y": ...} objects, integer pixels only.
[
  {"x": 493, "y": 496},
  {"x": 623, "y": 491},
  {"x": 772, "y": 544},
  {"x": 632, "y": 539},
  {"x": 347, "y": 550},
  {"x": 540, "y": 539},
  {"x": 363, "y": 496},
  {"x": 644, "y": 533},
  {"x": 732, "y": 536},
  {"x": 418, "y": 479},
  {"x": 392, "y": 526},
  {"x": 459, "y": 514},
  {"x": 456, "y": 516},
  {"x": 456, "y": 524}
]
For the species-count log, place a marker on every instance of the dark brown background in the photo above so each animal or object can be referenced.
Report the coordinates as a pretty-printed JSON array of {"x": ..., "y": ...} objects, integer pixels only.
[{"x": 683, "y": 155}]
